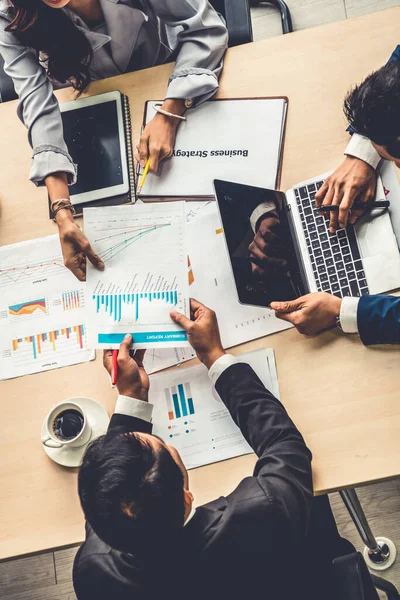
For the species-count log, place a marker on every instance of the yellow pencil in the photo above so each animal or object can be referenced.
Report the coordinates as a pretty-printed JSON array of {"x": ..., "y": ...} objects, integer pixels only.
[{"x": 144, "y": 175}]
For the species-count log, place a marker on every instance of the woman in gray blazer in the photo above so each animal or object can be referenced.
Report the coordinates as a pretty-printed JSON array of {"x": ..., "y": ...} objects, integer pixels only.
[{"x": 46, "y": 42}]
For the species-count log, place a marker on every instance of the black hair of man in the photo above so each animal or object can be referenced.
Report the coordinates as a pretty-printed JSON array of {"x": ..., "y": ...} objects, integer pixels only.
[
  {"x": 131, "y": 494},
  {"x": 373, "y": 108}
]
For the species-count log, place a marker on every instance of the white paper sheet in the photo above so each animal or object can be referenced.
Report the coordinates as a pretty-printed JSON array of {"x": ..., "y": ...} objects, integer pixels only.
[
  {"x": 145, "y": 276},
  {"x": 236, "y": 140},
  {"x": 42, "y": 310},
  {"x": 190, "y": 415}
]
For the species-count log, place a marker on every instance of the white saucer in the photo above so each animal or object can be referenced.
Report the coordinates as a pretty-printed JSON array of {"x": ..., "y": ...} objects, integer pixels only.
[{"x": 98, "y": 419}]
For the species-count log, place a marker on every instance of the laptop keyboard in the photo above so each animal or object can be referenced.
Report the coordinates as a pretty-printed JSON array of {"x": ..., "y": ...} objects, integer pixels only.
[{"x": 335, "y": 258}]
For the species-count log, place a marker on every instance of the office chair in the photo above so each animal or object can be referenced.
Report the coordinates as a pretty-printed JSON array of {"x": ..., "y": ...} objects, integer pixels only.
[
  {"x": 238, "y": 18},
  {"x": 353, "y": 581}
]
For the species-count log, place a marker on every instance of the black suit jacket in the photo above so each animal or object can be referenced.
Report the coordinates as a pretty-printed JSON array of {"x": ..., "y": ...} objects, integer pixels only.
[{"x": 250, "y": 544}]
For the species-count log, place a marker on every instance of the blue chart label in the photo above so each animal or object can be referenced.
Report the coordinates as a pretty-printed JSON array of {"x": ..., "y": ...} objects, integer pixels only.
[{"x": 153, "y": 337}]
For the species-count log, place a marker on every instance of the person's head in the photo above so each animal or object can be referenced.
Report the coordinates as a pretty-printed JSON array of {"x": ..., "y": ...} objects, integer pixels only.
[
  {"x": 39, "y": 24},
  {"x": 134, "y": 491},
  {"x": 373, "y": 108}
]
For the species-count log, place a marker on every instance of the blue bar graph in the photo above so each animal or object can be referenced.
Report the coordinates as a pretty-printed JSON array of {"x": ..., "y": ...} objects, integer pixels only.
[
  {"x": 113, "y": 303},
  {"x": 182, "y": 401}
]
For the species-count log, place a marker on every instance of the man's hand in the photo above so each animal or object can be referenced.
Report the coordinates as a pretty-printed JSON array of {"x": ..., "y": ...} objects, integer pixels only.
[
  {"x": 132, "y": 379},
  {"x": 310, "y": 314},
  {"x": 75, "y": 246},
  {"x": 203, "y": 332},
  {"x": 266, "y": 250},
  {"x": 158, "y": 137},
  {"x": 354, "y": 180}
]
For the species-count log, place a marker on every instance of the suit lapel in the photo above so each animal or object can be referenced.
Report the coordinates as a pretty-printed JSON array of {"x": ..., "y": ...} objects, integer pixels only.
[{"x": 123, "y": 26}]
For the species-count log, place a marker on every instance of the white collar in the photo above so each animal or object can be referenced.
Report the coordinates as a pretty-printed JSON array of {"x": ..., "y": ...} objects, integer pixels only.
[{"x": 190, "y": 516}]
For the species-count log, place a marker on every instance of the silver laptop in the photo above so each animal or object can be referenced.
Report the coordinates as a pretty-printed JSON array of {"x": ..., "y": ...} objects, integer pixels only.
[{"x": 299, "y": 255}]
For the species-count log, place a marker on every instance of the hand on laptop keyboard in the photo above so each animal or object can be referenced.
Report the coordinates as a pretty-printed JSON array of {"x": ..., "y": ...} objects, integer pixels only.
[
  {"x": 310, "y": 314},
  {"x": 353, "y": 180}
]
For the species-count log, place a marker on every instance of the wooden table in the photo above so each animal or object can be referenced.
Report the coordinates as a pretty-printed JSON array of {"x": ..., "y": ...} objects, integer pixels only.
[{"x": 343, "y": 396}]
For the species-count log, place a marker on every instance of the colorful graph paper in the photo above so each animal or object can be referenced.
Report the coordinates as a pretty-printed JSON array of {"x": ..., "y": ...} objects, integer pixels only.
[
  {"x": 113, "y": 303},
  {"x": 179, "y": 401},
  {"x": 27, "y": 308},
  {"x": 71, "y": 300},
  {"x": 51, "y": 337}
]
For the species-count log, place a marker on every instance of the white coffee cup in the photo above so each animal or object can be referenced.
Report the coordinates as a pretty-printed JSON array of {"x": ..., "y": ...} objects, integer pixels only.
[{"x": 50, "y": 439}]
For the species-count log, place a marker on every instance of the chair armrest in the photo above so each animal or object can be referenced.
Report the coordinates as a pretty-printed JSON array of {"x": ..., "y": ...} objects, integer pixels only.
[{"x": 352, "y": 579}]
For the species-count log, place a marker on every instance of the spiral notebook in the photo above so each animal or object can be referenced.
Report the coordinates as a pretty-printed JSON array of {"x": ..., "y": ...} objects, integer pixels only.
[{"x": 98, "y": 134}]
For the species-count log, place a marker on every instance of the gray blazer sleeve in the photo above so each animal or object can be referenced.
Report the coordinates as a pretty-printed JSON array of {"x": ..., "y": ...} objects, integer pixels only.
[
  {"x": 203, "y": 40},
  {"x": 37, "y": 108}
]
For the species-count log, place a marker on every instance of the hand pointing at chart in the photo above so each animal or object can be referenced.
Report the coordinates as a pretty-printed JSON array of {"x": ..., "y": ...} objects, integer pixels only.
[{"x": 203, "y": 332}]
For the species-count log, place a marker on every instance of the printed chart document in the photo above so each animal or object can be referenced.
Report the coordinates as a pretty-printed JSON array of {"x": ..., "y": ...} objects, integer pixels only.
[
  {"x": 190, "y": 415},
  {"x": 236, "y": 140},
  {"x": 42, "y": 310},
  {"x": 145, "y": 276}
]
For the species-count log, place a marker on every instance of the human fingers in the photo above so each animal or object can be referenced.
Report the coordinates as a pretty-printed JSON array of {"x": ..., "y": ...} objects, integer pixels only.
[
  {"x": 321, "y": 193},
  {"x": 92, "y": 256},
  {"x": 155, "y": 155},
  {"x": 287, "y": 307},
  {"x": 181, "y": 320},
  {"x": 345, "y": 206},
  {"x": 143, "y": 149},
  {"x": 107, "y": 360},
  {"x": 139, "y": 356},
  {"x": 365, "y": 198},
  {"x": 334, "y": 215},
  {"x": 124, "y": 349}
]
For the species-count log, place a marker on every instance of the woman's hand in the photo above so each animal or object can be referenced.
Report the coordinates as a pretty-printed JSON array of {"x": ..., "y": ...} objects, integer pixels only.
[
  {"x": 353, "y": 180},
  {"x": 158, "y": 137},
  {"x": 75, "y": 246}
]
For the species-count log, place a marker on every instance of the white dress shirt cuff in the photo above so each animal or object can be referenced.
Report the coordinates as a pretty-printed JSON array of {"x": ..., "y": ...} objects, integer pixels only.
[
  {"x": 220, "y": 365},
  {"x": 348, "y": 314},
  {"x": 259, "y": 211},
  {"x": 132, "y": 407},
  {"x": 362, "y": 148}
]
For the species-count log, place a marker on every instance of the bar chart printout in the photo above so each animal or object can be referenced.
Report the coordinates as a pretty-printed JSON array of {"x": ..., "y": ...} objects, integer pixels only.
[
  {"x": 179, "y": 401},
  {"x": 42, "y": 315},
  {"x": 188, "y": 415},
  {"x": 144, "y": 251}
]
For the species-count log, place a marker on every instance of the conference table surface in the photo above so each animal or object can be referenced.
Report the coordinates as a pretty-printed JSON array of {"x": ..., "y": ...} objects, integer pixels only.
[{"x": 343, "y": 397}]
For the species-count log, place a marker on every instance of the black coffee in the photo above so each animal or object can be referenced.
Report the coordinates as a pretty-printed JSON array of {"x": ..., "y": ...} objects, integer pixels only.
[{"x": 68, "y": 424}]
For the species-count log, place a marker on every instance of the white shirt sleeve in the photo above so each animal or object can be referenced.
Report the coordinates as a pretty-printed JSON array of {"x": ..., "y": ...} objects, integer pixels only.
[
  {"x": 132, "y": 407},
  {"x": 348, "y": 314},
  {"x": 258, "y": 212},
  {"x": 362, "y": 148},
  {"x": 220, "y": 365}
]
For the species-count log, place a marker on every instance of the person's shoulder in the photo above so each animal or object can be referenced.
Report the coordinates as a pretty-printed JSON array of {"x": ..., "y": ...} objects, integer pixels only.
[{"x": 6, "y": 9}]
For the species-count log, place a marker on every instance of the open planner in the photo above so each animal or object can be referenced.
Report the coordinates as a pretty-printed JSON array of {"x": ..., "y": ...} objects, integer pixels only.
[{"x": 237, "y": 140}]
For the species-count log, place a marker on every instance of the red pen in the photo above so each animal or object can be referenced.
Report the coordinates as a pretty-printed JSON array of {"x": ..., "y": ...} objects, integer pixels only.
[{"x": 114, "y": 367}]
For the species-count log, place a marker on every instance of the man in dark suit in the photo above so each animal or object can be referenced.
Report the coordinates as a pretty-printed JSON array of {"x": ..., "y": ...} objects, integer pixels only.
[{"x": 145, "y": 539}]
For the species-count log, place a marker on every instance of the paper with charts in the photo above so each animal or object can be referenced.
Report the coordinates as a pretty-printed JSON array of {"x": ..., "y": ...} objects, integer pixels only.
[
  {"x": 190, "y": 415},
  {"x": 42, "y": 310},
  {"x": 145, "y": 277}
]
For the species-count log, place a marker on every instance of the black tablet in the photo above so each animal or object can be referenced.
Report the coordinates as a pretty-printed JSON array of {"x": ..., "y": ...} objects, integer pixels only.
[{"x": 261, "y": 243}]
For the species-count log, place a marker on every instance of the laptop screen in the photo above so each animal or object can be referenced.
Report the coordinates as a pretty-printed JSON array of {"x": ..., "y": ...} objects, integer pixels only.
[{"x": 260, "y": 243}]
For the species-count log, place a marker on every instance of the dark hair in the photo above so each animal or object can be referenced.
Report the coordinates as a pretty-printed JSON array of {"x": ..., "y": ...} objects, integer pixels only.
[
  {"x": 373, "y": 108},
  {"x": 131, "y": 495},
  {"x": 49, "y": 30}
]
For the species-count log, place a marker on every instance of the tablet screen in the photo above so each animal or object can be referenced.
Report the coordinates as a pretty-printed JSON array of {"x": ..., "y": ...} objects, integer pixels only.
[
  {"x": 92, "y": 137},
  {"x": 260, "y": 243}
]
